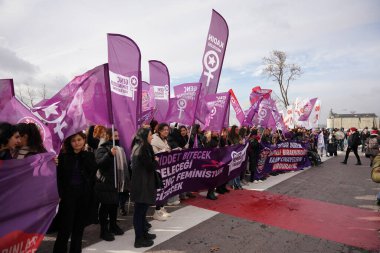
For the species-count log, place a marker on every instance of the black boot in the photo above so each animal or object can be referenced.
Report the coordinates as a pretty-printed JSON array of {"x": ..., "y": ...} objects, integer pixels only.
[
  {"x": 105, "y": 234},
  {"x": 344, "y": 162},
  {"x": 149, "y": 236},
  {"x": 142, "y": 242},
  {"x": 115, "y": 229},
  {"x": 211, "y": 195}
]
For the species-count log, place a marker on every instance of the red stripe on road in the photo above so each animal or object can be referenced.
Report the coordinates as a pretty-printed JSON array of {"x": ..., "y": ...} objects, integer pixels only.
[{"x": 343, "y": 224}]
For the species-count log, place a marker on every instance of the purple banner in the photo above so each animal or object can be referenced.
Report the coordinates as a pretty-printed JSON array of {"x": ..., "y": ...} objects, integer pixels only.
[
  {"x": 307, "y": 109},
  {"x": 124, "y": 60},
  {"x": 160, "y": 82},
  {"x": 183, "y": 107},
  {"x": 6, "y": 91},
  {"x": 15, "y": 112},
  {"x": 258, "y": 93},
  {"x": 197, "y": 169},
  {"x": 212, "y": 60},
  {"x": 145, "y": 97},
  {"x": 29, "y": 198},
  {"x": 218, "y": 107},
  {"x": 284, "y": 156},
  {"x": 82, "y": 102},
  {"x": 235, "y": 104}
]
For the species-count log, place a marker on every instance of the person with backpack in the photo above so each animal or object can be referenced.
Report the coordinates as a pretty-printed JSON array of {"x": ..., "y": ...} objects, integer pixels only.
[
  {"x": 372, "y": 145},
  {"x": 353, "y": 144}
]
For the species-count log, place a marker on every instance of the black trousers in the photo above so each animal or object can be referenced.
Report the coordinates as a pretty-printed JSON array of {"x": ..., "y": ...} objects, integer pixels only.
[
  {"x": 355, "y": 150},
  {"x": 139, "y": 219},
  {"x": 72, "y": 211},
  {"x": 105, "y": 211}
]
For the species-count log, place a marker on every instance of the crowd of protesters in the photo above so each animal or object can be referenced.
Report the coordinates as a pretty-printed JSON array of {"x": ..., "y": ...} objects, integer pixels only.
[{"x": 90, "y": 192}]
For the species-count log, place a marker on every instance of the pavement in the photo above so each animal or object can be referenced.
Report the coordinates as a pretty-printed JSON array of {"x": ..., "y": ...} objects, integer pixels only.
[{"x": 329, "y": 208}]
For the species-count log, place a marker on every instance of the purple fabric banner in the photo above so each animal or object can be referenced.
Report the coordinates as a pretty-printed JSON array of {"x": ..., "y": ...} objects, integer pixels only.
[
  {"x": 307, "y": 109},
  {"x": 6, "y": 91},
  {"x": 212, "y": 60},
  {"x": 160, "y": 82},
  {"x": 82, "y": 102},
  {"x": 199, "y": 168},
  {"x": 251, "y": 112},
  {"x": 29, "y": 198},
  {"x": 218, "y": 107},
  {"x": 264, "y": 114},
  {"x": 258, "y": 93},
  {"x": 235, "y": 104},
  {"x": 124, "y": 60},
  {"x": 183, "y": 107},
  {"x": 15, "y": 112},
  {"x": 145, "y": 97},
  {"x": 284, "y": 156},
  {"x": 146, "y": 117}
]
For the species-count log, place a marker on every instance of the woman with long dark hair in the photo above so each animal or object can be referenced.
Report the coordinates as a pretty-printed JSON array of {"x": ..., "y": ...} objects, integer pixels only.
[
  {"x": 75, "y": 177},
  {"x": 9, "y": 140},
  {"x": 30, "y": 142},
  {"x": 143, "y": 185}
]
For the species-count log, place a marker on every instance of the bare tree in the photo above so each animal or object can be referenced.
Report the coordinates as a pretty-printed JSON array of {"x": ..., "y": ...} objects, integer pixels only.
[
  {"x": 43, "y": 92},
  {"x": 30, "y": 96},
  {"x": 282, "y": 72}
]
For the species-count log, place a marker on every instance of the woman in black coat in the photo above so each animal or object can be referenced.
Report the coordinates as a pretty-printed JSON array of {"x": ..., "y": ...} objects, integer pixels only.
[
  {"x": 143, "y": 185},
  {"x": 75, "y": 177}
]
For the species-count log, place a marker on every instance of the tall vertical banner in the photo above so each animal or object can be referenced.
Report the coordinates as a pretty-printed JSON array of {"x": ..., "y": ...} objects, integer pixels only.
[
  {"x": 218, "y": 107},
  {"x": 124, "y": 60},
  {"x": 6, "y": 91},
  {"x": 160, "y": 82},
  {"x": 212, "y": 60},
  {"x": 29, "y": 199},
  {"x": 235, "y": 104},
  {"x": 83, "y": 101},
  {"x": 183, "y": 106}
]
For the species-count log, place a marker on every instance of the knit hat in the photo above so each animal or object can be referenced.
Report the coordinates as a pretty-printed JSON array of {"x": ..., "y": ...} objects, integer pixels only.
[
  {"x": 374, "y": 132},
  {"x": 353, "y": 129}
]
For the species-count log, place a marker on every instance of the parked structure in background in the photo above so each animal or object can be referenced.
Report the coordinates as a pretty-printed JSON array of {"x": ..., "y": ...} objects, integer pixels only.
[{"x": 358, "y": 120}]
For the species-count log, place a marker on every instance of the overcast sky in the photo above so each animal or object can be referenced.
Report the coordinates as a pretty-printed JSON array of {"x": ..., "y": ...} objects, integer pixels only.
[{"x": 337, "y": 43}]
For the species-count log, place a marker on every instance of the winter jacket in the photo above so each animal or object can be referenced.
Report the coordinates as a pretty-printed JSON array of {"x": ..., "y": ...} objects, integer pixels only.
[
  {"x": 143, "y": 184},
  {"x": 159, "y": 145},
  {"x": 354, "y": 140}
]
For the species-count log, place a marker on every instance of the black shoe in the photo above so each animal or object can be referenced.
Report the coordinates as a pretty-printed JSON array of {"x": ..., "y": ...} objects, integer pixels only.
[
  {"x": 359, "y": 163},
  {"x": 378, "y": 202},
  {"x": 142, "y": 242},
  {"x": 123, "y": 212},
  {"x": 116, "y": 230},
  {"x": 211, "y": 196},
  {"x": 220, "y": 191},
  {"x": 149, "y": 236},
  {"x": 148, "y": 225},
  {"x": 107, "y": 236},
  {"x": 190, "y": 195},
  {"x": 344, "y": 162}
]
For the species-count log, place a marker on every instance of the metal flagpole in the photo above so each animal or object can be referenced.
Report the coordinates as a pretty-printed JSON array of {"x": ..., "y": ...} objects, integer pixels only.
[{"x": 114, "y": 157}]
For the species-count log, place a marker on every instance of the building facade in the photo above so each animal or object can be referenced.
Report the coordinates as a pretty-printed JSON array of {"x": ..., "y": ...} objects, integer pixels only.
[{"x": 358, "y": 120}]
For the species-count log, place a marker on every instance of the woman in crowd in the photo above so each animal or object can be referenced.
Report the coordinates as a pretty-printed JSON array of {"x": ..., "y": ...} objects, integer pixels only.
[
  {"x": 223, "y": 141},
  {"x": 143, "y": 185},
  {"x": 9, "y": 140},
  {"x": 160, "y": 144},
  {"x": 233, "y": 139},
  {"x": 372, "y": 145},
  {"x": 253, "y": 153},
  {"x": 75, "y": 178},
  {"x": 105, "y": 189},
  {"x": 212, "y": 141},
  {"x": 30, "y": 141}
]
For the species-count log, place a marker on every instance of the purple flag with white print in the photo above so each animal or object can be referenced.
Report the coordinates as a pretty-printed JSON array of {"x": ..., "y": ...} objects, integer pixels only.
[
  {"x": 15, "y": 112},
  {"x": 264, "y": 113},
  {"x": 218, "y": 106},
  {"x": 82, "y": 102},
  {"x": 6, "y": 91},
  {"x": 235, "y": 104},
  {"x": 251, "y": 112},
  {"x": 307, "y": 109},
  {"x": 212, "y": 61},
  {"x": 29, "y": 198},
  {"x": 124, "y": 60},
  {"x": 145, "y": 97},
  {"x": 183, "y": 107},
  {"x": 160, "y": 82}
]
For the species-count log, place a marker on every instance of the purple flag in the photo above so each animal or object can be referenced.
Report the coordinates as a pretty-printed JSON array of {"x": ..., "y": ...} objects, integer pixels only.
[
  {"x": 307, "y": 109},
  {"x": 212, "y": 60},
  {"x": 15, "y": 112},
  {"x": 218, "y": 106},
  {"x": 258, "y": 93},
  {"x": 146, "y": 116},
  {"x": 145, "y": 97},
  {"x": 29, "y": 198},
  {"x": 6, "y": 91},
  {"x": 183, "y": 107},
  {"x": 124, "y": 60},
  {"x": 264, "y": 113},
  {"x": 160, "y": 82},
  {"x": 251, "y": 112},
  {"x": 235, "y": 104},
  {"x": 82, "y": 102}
]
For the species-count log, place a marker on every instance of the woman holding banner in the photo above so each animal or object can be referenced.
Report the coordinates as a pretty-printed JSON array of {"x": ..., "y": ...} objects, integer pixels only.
[
  {"x": 233, "y": 139},
  {"x": 143, "y": 185}
]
